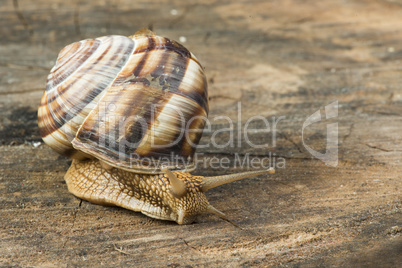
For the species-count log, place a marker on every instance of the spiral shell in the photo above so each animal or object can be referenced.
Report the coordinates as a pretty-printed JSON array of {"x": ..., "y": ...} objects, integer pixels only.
[{"x": 126, "y": 101}]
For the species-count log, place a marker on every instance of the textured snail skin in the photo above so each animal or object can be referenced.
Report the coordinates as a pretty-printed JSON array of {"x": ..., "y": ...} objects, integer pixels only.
[
  {"x": 146, "y": 193},
  {"x": 153, "y": 195}
]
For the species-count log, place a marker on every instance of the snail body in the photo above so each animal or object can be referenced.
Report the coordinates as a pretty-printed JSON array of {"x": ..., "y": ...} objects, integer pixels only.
[{"x": 114, "y": 104}]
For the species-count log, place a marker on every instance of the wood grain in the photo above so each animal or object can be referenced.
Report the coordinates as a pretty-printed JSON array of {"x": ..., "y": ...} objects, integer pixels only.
[{"x": 281, "y": 60}]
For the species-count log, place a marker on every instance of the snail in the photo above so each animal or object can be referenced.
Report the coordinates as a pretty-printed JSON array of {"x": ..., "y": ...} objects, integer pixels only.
[{"x": 115, "y": 104}]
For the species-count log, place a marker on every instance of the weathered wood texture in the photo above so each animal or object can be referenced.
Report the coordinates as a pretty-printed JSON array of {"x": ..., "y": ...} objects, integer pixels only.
[{"x": 278, "y": 58}]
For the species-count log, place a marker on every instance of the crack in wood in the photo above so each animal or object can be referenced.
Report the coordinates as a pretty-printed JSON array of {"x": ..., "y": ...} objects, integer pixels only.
[
  {"x": 74, "y": 218},
  {"x": 22, "y": 91},
  {"x": 75, "y": 214},
  {"x": 121, "y": 250},
  {"x": 77, "y": 19},
  {"x": 291, "y": 141},
  {"x": 22, "y": 18},
  {"x": 349, "y": 133},
  {"x": 382, "y": 113},
  {"x": 188, "y": 245},
  {"x": 378, "y": 148},
  {"x": 222, "y": 97},
  {"x": 23, "y": 67}
]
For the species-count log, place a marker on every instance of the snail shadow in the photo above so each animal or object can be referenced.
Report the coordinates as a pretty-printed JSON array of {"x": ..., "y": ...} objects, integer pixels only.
[{"x": 19, "y": 126}]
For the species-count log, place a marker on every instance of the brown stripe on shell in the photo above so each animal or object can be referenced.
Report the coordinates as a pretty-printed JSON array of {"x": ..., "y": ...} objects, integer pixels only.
[
  {"x": 62, "y": 147},
  {"x": 74, "y": 105},
  {"x": 169, "y": 134},
  {"x": 156, "y": 71},
  {"x": 197, "y": 92},
  {"x": 164, "y": 130},
  {"x": 45, "y": 121},
  {"x": 196, "y": 60},
  {"x": 178, "y": 63},
  {"x": 69, "y": 61},
  {"x": 126, "y": 87},
  {"x": 194, "y": 85},
  {"x": 61, "y": 90},
  {"x": 187, "y": 79},
  {"x": 175, "y": 69},
  {"x": 171, "y": 67},
  {"x": 64, "y": 115},
  {"x": 138, "y": 68},
  {"x": 131, "y": 101},
  {"x": 194, "y": 132},
  {"x": 171, "y": 45},
  {"x": 134, "y": 60},
  {"x": 168, "y": 60},
  {"x": 189, "y": 109},
  {"x": 78, "y": 94},
  {"x": 151, "y": 66},
  {"x": 159, "y": 70},
  {"x": 115, "y": 142},
  {"x": 58, "y": 141}
]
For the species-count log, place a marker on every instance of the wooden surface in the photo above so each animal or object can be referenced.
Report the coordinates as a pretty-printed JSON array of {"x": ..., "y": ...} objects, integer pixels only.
[{"x": 279, "y": 58}]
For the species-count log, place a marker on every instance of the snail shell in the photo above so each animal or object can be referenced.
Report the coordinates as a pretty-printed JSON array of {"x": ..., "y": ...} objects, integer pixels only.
[{"x": 125, "y": 101}]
